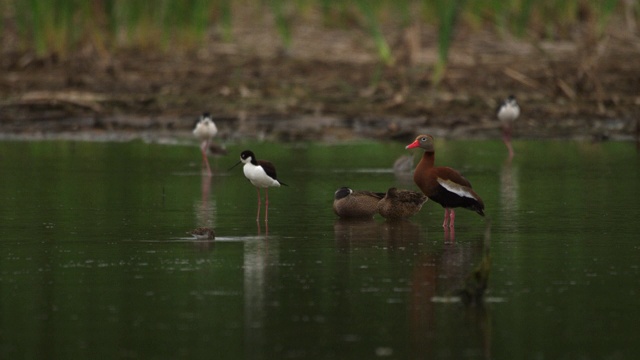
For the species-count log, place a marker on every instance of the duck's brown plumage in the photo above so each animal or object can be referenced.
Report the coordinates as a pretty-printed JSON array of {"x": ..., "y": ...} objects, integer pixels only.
[
  {"x": 400, "y": 204},
  {"x": 348, "y": 203},
  {"x": 444, "y": 185}
]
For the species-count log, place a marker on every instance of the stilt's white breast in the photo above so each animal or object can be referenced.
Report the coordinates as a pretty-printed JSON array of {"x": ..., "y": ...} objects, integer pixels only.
[
  {"x": 258, "y": 177},
  {"x": 205, "y": 129},
  {"x": 509, "y": 112}
]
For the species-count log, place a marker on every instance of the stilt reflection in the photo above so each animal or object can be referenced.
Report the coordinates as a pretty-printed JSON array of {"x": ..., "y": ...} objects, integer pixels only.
[
  {"x": 205, "y": 210},
  {"x": 257, "y": 256},
  {"x": 509, "y": 190}
]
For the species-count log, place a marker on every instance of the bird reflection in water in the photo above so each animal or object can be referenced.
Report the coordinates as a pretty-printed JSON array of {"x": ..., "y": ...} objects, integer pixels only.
[
  {"x": 452, "y": 276},
  {"x": 509, "y": 191},
  {"x": 445, "y": 274},
  {"x": 205, "y": 210},
  {"x": 257, "y": 257},
  {"x": 391, "y": 234},
  {"x": 350, "y": 233},
  {"x": 400, "y": 233},
  {"x": 436, "y": 276}
]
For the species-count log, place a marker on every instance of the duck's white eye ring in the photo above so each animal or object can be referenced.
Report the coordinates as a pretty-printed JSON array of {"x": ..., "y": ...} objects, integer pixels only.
[{"x": 423, "y": 139}]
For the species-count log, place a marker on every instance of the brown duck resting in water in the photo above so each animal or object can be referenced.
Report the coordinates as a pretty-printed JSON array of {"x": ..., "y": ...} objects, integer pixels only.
[
  {"x": 348, "y": 203},
  {"x": 400, "y": 204}
]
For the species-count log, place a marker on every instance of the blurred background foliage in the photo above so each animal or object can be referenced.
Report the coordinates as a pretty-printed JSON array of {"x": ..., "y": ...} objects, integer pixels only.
[{"x": 64, "y": 26}]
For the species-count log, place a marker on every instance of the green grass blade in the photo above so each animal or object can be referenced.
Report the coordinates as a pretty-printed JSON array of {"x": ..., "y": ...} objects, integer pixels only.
[
  {"x": 283, "y": 25},
  {"x": 369, "y": 8},
  {"x": 448, "y": 12}
]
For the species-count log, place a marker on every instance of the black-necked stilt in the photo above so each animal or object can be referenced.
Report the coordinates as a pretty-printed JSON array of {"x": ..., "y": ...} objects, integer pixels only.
[
  {"x": 401, "y": 204},
  {"x": 348, "y": 203},
  {"x": 205, "y": 130},
  {"x": 261, "y": 174},
  {"x": 443, "y": 185},
  {"x": 507, "y": 113},
  {"x": 203, "y": 233}
]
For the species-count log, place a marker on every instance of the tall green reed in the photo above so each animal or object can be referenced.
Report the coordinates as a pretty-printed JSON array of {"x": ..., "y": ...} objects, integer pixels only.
[
  {"x": 226, "y": 19},
  {"x": 522, "y": 19},
  {"x": 369, "y": 9},
  {"x": 448, "y": 12},
  {"x": 63, "y": 25},
  {"x": 605, "y": 9},
  {"x": 283, "y": 24}
]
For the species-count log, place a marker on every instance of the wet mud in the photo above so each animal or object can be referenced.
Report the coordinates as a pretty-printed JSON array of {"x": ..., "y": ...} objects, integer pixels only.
[{"x": 329, "y": 87}]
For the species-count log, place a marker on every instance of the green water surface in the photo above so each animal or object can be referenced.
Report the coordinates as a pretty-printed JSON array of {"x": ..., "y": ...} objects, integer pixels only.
[{"x": 95, "y": 261}]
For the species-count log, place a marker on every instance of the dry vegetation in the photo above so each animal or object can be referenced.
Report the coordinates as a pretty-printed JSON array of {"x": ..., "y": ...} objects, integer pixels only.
[{"x": 330, "y": 83}]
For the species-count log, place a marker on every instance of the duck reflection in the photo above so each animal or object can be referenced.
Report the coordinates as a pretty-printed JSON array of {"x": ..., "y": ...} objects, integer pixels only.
[
  {"x": 447, "y": 274},
  {"x": 400, "y": 232},
  {"x": 351, "y": 233},
  {"x": 455, "y": 276}
]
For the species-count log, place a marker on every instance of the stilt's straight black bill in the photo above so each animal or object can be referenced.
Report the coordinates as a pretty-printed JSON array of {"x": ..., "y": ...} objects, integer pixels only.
[{"x": 238, "y": 163}]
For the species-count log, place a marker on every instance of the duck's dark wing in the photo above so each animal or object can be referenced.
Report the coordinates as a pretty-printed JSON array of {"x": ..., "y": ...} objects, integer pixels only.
[
  {"x": 411, "y": 197},
  {"x": 376, "y": 195}
]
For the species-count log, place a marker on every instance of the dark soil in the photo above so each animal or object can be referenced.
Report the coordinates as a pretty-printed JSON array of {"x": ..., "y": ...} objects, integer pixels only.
[{"x": 329, "y": 86}]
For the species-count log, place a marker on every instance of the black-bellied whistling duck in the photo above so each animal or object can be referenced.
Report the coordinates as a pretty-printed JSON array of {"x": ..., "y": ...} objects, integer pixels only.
[
  {"x": 443, "y": 185},
  {"x": 400, "y": 204},
  {"x": 507, "y": 113},
  {"x": 205, "y": 130},
  {"x": 348, "y": 203},
  {"x": 261, "y": 174}
]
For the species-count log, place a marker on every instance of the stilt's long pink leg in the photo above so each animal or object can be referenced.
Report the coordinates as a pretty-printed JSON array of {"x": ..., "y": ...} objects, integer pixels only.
[
  {"x": 203, "y": 151},
  {"x": 258, "y": 215},
  {"x": 506, "y": 137},
  {"x": 266, "y": 207},
  {"x": 446, "y": 217},
  {"x": 205, "y": 160}
]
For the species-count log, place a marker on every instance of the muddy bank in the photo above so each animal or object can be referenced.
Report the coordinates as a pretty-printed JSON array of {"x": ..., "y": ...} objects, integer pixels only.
[{"x": 335, "y": 90}]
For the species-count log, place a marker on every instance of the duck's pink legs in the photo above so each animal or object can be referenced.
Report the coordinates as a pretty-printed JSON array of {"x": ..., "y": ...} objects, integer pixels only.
[
  {"x": 446, "y": 217},
  {"x": 449, "y": 218},
  {"x": 452, "y": 218},
  {"x": 449, "y": 234}
]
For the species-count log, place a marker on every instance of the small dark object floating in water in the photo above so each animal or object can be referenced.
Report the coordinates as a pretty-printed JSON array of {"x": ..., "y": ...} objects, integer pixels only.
[{"x": 203, "y": 233}]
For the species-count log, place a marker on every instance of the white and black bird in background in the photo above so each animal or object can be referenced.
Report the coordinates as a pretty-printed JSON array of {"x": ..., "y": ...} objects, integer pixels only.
[{"x": 507, "y": 113}]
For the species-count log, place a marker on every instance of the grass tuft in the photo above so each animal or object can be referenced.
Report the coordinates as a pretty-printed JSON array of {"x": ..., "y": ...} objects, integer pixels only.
[{"x": 63, "y": 26}]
